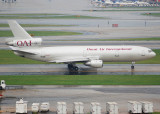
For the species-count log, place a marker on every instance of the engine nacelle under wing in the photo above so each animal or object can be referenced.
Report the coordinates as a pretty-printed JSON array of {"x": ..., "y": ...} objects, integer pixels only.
[
  {"x": 24, "y": 42},
  {"x": 95, "y": 63}
]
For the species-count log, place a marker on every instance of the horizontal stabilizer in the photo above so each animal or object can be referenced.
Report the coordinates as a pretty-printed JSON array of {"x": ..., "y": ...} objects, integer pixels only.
[{"x": 18, "y": 31}]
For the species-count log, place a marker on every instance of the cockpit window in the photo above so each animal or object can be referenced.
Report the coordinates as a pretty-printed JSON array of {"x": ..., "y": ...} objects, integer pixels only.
[{"x": 149, "y": 51}]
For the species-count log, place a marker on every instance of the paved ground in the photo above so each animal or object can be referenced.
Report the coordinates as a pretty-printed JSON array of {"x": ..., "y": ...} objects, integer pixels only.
[
  {"x": 98, "y": 34},
  {"x": 85, "y": 94},
  {"x": 75, "y": 7},
  {"x": 61, "y": 69}
]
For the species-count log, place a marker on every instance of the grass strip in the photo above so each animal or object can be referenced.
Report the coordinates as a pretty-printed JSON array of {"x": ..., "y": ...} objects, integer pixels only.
[
  {"x": 122, "y": 10},
  {"x": 8, "y": 57},
  {"x": 82, "y": 79},
  {"x": 31, "y": 14},
  {"x": 152, "y": 14},
  {"x": 129, "y": 39},
  {"x": 36, "y": 25},
  {"x": 41, "y": 33},
  {"x": 45, "y": 16}
]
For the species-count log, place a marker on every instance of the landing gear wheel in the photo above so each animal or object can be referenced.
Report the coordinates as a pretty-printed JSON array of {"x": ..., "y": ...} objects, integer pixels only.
[
  {"x": 72, "y": 68},
  {"x": 132, "y": 67},
  {"x": 130, "y": 112},
  {"x": 76, "y": 68}
]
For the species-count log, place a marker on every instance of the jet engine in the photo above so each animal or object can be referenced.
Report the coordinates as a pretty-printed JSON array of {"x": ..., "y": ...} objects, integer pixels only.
[
  {"x": 24, "y": 42},
  {"x": 95, "y": 63}
]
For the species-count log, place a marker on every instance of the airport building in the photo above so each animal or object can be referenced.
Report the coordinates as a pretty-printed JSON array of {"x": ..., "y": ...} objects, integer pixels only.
[{"x": 126, "y": 3}]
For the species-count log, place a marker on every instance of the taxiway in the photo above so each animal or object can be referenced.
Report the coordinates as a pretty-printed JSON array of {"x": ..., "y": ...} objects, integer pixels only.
[
  {"x": 61, "y": 69},
  {"x": 85, "y": 94}
]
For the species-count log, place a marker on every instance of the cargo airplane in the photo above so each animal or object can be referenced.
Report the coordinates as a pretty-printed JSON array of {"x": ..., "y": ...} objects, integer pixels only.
[{"x": 94, "y": 56}]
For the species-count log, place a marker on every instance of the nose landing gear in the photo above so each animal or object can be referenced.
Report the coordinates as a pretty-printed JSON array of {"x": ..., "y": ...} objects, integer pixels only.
[{"x": 132, "y": 66}]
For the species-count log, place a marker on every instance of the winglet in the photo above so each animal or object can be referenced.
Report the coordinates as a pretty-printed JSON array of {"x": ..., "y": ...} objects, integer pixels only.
[{"x": 18, "y": 31}]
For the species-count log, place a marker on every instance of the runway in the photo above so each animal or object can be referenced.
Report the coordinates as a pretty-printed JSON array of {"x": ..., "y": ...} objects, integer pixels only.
[
  {"x": 85, "y": 94},
  {"x": 61, "y": 69}
]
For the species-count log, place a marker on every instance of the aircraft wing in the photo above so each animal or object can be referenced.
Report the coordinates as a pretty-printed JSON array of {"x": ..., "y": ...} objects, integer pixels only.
[
  {"x": 74, "y": 59},
  {"x": 25, "y": 52}
]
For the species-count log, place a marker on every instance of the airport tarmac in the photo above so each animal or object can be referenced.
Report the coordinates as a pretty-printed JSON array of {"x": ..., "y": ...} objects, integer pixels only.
[
  {"x": 74, "y": 7},
  {"x": 97, "y": 34},
  {"x": 149, "y": 44},
  {"x": 61, "y": 69},
  {"x": 85, "y": 94}
]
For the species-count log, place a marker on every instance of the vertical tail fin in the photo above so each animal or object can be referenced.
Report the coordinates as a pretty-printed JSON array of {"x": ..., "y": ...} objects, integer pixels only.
[
  {"x": 18, "y": 31},
  {"x": 21, "y": 37}
]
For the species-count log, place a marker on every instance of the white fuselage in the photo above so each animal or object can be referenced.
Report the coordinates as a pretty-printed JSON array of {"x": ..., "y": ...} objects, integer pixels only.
[
  {"x": 104, "y": 53},
  {"x": 24, "y": 45}
]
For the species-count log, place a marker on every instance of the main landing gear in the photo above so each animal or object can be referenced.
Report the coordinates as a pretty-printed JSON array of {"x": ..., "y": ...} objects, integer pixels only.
[
  {"x": 132, "y": 66},
  {"x": 73, "y": 68}
]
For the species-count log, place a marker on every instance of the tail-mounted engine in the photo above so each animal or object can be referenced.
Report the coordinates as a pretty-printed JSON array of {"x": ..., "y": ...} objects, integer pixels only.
[{"x": 24, "y": 42}]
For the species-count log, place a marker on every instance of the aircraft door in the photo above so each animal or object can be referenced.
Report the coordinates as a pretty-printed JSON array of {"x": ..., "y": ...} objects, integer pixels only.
[
  {"x": 116, "y": 53},
  {"x": 42, "y": 54},
  {"x": 85, "y": 53},
  {"x": 143, "y": 53}
]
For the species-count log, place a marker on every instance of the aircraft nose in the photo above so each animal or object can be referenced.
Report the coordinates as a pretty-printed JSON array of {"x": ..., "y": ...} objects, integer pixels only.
[{"x": 153, "y": 54}]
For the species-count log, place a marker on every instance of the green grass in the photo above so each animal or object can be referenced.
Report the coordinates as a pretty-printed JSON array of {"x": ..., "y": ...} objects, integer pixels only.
[
  {"x": 152, "y": 14},
  {"x": 45, "y": 16},
  {"x": 156, "y": 113},
  {"x": 82, "y": 80},
  {"x": 36, "y": 25},
  {"x": 6, "y": 34},
  {"x": 136, "y": 39},
  {"x": 32, "y": 14},
  {"x": 129, "y": 39},
  {"x": 41, "y": 33},
  {"x": 8, "y": 57},
  {"x": 120, "y": 10}
]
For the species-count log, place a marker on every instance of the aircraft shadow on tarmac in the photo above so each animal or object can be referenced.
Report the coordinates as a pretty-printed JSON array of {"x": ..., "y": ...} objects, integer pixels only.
[
  {"x": 82, "y": 71},
  {"x": 94, "y": 71}
]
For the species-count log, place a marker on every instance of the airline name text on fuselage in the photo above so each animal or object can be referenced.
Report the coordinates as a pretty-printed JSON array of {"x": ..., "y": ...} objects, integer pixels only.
[{"x": 107, "y": 49}]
